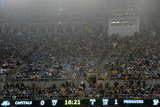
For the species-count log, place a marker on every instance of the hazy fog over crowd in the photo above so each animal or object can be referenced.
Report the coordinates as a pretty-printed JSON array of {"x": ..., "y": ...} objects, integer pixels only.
[{"x": 69, "y": 10}]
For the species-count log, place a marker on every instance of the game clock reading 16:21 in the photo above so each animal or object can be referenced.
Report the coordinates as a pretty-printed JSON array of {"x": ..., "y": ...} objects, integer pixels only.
[{"x": 72, "y": 102}]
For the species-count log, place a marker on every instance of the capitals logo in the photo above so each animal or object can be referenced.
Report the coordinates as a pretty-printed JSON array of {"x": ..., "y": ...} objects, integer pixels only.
[{"x": 5, "y": 103}]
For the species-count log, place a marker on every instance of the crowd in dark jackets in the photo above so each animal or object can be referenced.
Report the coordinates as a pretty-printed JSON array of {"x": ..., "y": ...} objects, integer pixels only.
[{"x": 65, "y": 56}]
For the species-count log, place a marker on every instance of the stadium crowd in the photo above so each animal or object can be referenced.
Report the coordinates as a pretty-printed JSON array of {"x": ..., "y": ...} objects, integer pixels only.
[
  {"x": 21, "y": 91},
  {"x": 140, "y": 59},
  {"x": 65, "y": 56},
  {"x": 130, "y": 89},
  {"x": 16, "y": 49}
]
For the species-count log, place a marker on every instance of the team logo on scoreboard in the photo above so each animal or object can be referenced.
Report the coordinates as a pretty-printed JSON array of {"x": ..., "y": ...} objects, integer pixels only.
[
  {"x": 155, "y": 102},
  {"x": 54, "y": 102},
  {"x": 105, "y": 101},
  {"x": 5, "y": 103},
  {"x": 92, "y": 101}
]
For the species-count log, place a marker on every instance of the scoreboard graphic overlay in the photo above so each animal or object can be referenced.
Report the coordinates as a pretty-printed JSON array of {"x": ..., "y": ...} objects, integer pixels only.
[{"x": 81, "y": 103}]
